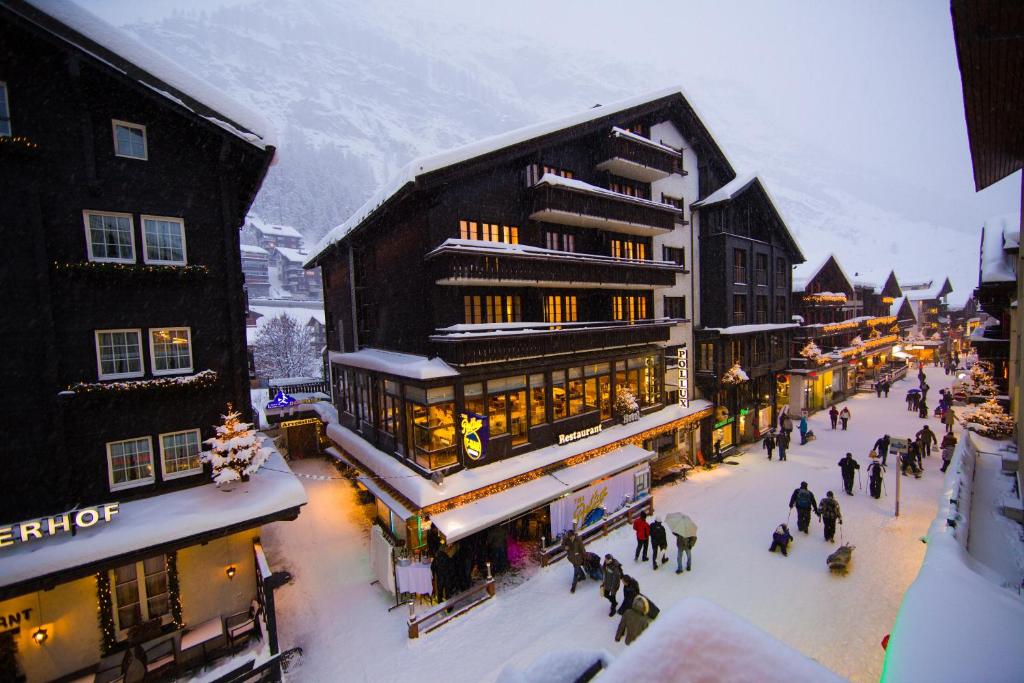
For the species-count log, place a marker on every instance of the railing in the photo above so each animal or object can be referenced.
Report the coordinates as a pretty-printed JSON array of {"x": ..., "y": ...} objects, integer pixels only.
[
  {"x": 613, "y": 521},
  {"x": 439, "y": 615},
  {"x": 452, "y": 265},
  {"x": 560, "y": 204},
  {"x": 760, "y": 277},
  {"x": 624, "y": 147},
  {"x": 739, "y": 274},
  {"x": 310, "y": 387},
  {"x": 739, "y": 317},
  {"x": 546, "y": 340}
]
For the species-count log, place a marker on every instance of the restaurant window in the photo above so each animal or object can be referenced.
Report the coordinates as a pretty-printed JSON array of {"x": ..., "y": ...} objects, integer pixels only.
[
  {"x": 739, "y": 309},
  {"x": 538, "y": 414},
  {"x": 559, "y": 241},
  {"x": 495, "y": 308},
  {"x": 630, "y": 188},
  {"x": 506, "y": 408},
  {"x": 179, "y": 454},
  {"x": 629, "y": 307},
  {"x": 579, "y": 400},
  {"x": 119, "y": 353},
  {"x": 675, "y": 307},
  {"x": 676, "y": 255},
  {"x": 739, "y": 266},
  {"x": 648, "y": 384},
  {"x": 390, "y": 407},
  {"x": 141, "y": 592},
  {"x": 430, "y": 425},
  {"x": 130, "y": 463},
  {"x": 362, "y": 399},
  {"x": 599, "y": 388},
  {"x": 628, "y": 249},
  {"x": 559, "y": 397},
  {"x": 488, "y": 232},
  {"x": 560, "y": 308},
  {"x": 171, "y": 350},
  {"x": 129, "y": 140},
  {"x": 707, "y": 357}
]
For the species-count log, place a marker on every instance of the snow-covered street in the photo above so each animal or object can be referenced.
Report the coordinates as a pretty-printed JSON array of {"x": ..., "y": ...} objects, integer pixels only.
[{"x": 344, "y": 627}]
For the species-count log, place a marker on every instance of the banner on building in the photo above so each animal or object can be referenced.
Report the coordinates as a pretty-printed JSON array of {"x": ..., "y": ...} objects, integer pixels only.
[{"x": 593, "y": 503}]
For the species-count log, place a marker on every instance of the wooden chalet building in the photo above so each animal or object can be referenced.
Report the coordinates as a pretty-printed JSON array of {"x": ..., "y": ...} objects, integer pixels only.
[
  {"x": 123, "y": 191},
  {"x": 502, "y": 312},
  {"x": 996, "y": 294},
  {"x": 746, "y": 326}
]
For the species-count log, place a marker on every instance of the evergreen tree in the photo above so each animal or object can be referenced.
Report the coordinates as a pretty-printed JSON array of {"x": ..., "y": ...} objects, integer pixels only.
[
  {"x": 235, "y": 451},
  {"x": 990, "y": 420}
]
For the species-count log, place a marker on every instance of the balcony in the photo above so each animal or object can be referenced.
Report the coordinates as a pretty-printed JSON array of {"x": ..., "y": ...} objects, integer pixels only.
[
  {"x": 463, "y": 345},
  {"x": 572, "y": 202},
  {"x": 632, "y": 156},
  {"x": 472, "y": 262}
]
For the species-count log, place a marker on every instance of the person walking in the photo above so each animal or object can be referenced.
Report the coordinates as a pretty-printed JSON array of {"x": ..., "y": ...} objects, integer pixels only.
[
  {"x": 948, "y": 446},
  {"x": 684, "y": 544},
  {"x": 914, "y": 449},
  {"x": 610, "y": 584},
  {"x": 922, "y": 409},
  {"x": 781, "y": 540},
  {"x": 576, "y": 553},
  {"x": 783, "y": 443},
  {"x": 659, "y": 542},
  {"x": 876, "y": 471},
  {"x": 833, "y": 416},
  {"x": 804, "y": 502},
  {"x": 786, "y": 422},
  {"x": 803, "y": 429},
  {"x": 768, "y": 444},
  {"x": 927, "y": 438},
  {"x": 849, "y": 467},
  {"x": 630, "y": 589},
  {"x": 882, "y": 448},
  {"x": 643, "y": 535},
  {"x": 886, "y": 385},
  {"x": 912, "y": 400},
  {"x": 830, "y": 514},
  {"x": 844, "y": 417},
  {"x": 634, "y": 621},
  {"x": 878, "y": 388},
  {"x": 924, "y": 391},
  {"x": 949, "y": 419}
]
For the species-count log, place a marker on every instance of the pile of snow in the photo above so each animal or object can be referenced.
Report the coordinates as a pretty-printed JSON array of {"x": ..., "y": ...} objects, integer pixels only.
[{"x": 556, "y": 667}]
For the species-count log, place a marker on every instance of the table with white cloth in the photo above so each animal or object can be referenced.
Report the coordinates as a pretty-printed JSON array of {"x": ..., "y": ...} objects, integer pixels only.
[{"x": 414, "y": 578}]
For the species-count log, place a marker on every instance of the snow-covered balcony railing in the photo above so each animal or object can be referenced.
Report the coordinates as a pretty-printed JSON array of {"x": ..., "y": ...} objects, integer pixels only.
[
  {"x": 633, "y": 156},
  {"x": 469, "y": 262},
  {"x": 574, "y": 202},
  {"x": 489, "y": 343}
]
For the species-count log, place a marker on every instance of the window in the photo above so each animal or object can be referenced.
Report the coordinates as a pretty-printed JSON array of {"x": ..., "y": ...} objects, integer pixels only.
[
  {"x": 538, "y": 415},
  {"x": 130, "y": 463},
  {"x": 636, "y": 128},
  {"x": 780, "y": 272},
  {"x": 119, "y": 353},
  {"x": 534, "y": 172},
  {"x": 599, "y": 388},
  {"x": 559, "y": 241},
  {"x": 488, "y": 232},
  {"x": 676, "y": 255},
  {"x": 630, "y": 188},
  {"x": 5, "y": 111},
  {"x": 761, "y": 310},
  {"x": 631, "y": 307},
  {"x": 179, "y": 454},
  {"x": 675, "y": 307},
  {"x": 129, "y": 140},
  {"x": 163, "y": 240},
  {"x": 761, "y": 270},
  {"x": 672, "y": 201},
  {"x": 171, "y": 350},
  {"x": 496, "y": 308},
  {"x": 429, "y": 421},
  {"x": 137, "y": 601},
  {"x": 780, "y": 309},
  {"x": 109, "y": 237},
  {"x": 739, "y": 309},
  {"x": 739, "y": 263},
  {"x": 560, "y": 308},
  {"x": 736, "y": 351},
  {"x": 707, "y": 357},
  {"x": 630, "y": 249},
  {"x": 506, "y": 408}
]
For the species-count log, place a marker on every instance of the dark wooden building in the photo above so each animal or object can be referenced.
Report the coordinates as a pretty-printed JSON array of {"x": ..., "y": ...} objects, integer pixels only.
[{"x": 996, "y": 295}]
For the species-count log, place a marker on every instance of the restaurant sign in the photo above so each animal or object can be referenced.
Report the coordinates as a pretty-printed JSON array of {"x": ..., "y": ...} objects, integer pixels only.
[
  {"x": 35, "y": 529},
  {"x": 683, "y": 370},
  {"x": 576, "y": 436},
  {"x": 475, "y": 434}
]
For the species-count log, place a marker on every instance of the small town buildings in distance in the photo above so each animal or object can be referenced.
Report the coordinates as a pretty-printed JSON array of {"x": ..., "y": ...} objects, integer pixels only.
[
  {"x": 124, "y": 185},
  {"x": 745, "y": 332},
  {"x": 997, "y": 293},
  {"x": 498, "y": 319},
  {"x": 271, "y": 235},
  {"x": 255, "y": 269}
]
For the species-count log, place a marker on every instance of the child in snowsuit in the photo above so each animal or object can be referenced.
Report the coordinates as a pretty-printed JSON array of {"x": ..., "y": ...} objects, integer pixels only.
[
  {"x": 849, "y": 467},
  {"x": 781, "y": 539},
  {"x": 844, "y": 417},
  {"x": 612, "y": 579},
  {"x": 803, "y": 430},
  {"x": 768, "y": 444},
  {"x": 830, "y": 514},
  {"x": 643, "y": 535},
  {"x": 659, "y": 541},
  {"x": 875, "y": 471},
  {"x": 804, "y": 501}
]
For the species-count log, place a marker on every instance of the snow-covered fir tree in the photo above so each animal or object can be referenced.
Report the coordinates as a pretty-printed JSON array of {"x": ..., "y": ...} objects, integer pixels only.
[
  {"x": 735, "y": 375},
  {"x": 979, "y": 382},
  {"x": 990, "y": 420},
  {"x": 857, "y": 341},
  {"x": 811, "y": 351},
  {"x": 235, "y": 451},
  {"x": 625, "y": 401},
  {"x": 284, "y": 348}
]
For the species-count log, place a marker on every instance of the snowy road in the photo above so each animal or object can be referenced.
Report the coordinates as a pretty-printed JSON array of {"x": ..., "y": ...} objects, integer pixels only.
[{"x": 343, "y": 625}]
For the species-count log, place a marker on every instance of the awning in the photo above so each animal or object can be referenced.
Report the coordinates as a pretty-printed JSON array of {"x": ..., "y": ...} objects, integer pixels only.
[
  {"x": 486, "y": 512},
  {"x": 373, "y": 487}
]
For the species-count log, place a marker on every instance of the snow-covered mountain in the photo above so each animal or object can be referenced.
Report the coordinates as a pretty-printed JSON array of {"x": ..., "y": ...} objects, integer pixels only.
[{"x": 356, "y": 90}]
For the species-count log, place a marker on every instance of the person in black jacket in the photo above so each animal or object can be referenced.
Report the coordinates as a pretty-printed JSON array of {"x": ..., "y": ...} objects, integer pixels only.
[
  {"x": 611, "y": 581},
  {"x": 804, "y": 501},
  {"x": 630, "y": 589},
  {"x": 659, "y": 541},
  {"x": 768, "y": 444},
  {"x": 875, "y": 472},
  {"x": 849, "y": 466},
  {"x": 783, "y": 444},
  {"x": 882, "y": 448}
]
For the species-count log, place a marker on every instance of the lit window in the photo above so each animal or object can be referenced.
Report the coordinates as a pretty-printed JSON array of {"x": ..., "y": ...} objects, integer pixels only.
[
  {"x": 179, "y": 453},
  {"x": 119, "y": 353},
  {"x": 560, "y": 309},
  {"x": 110, "y": 237},
  {"x": 629, "y": 308},
  {"x": 137, "y": 601},
  {"x": 130, "y": 463},
  {"x": 5, "y": 111},
  {"x": 171, "y": 350},
  {"x": 163, "y": 240},
  {"x": 488, "y": 232},
  {"x": 129, "y": 140}
]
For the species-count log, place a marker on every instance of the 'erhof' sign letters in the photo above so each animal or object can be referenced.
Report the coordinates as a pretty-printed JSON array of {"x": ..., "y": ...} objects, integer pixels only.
[{"x": 35, "y": 529}]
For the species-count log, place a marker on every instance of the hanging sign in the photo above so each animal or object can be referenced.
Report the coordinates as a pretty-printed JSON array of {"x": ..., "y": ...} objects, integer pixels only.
[
  {"x": 475, "y": 434},
  {"x": 35, "y": 529},
  {"x": 683, "y": 370},
  {"x": 281, "y": 400}
]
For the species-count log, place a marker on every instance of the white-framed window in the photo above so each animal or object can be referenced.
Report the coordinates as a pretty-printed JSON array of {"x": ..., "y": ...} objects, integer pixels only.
[
  {"x": 130, "y": 463},
  {"x": 109, "y": 236},
  {"x": 129, "y": 140},
  {"x": 163, "y": 240},
  {"x": 171, "y": 350},
  {"x": 5, "y": 111},
  {"x": 119, "y": 353},
  {"x": 179, "y": 454},
  {"x": 140, "y": 592}
]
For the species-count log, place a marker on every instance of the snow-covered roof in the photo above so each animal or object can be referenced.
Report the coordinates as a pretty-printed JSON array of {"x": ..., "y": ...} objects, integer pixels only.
[
  {"x": 807, "y": 271},
  {"x": 647, "y": 142},
  {"x": 897, "y": 304},
  {"x": 154, "y": 71},
  {"x": 158, "y": 520},
  {"x": 464, "y": 520},
  {"x": 429, "y": 164},
  {"x": 293, "y": 255},
  {"x": 272, "y": 229},
  {"x": 698, "y": 640},
  {"x": 394, "y": 363},
  {"x": 931, "y": 292},
  {"x": 252, "y": 249},
  {"x": 748, "y": 329},
  {"x": 998, "y": 235},
  {"x": 424, "y": 492}
]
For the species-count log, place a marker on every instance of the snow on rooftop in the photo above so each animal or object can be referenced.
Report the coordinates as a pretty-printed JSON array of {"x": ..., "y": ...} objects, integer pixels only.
[
  {"x": 996, "y": 264},
  {"x": 728, "y": 191},
  {"x": 647, "y": 142},
  {"x": 298, "y": 256},
  {"x": 273, "y": 229},
  {"x": 244, "y": 123},
  {"x": 252, "y": 249},
  {"x": 554, "y": 180},
  {"x": 156, "y": 520},
  {"x": 805, "y": 272},
  {"x": 394, "y": 363}
]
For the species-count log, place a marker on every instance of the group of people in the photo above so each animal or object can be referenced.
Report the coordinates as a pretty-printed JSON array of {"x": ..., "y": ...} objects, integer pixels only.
[
  {"x": 655, "y": 536},
  {"x": 805, "y": 502},
  {"x": 882, "y": 386},
  {"x": 839, "y": 416},
  {"x": 637, "y": 611}
]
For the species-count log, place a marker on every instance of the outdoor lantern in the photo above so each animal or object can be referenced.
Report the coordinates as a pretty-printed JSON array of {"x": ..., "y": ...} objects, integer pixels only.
[
  {"x": 231, "y": 571},
  {"x": 40, "y": 636}
]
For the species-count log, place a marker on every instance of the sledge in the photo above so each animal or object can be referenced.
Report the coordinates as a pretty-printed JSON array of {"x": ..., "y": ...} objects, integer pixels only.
[
  {"x": 839, "y": 561},
  {"x": 810, "y": 436}
]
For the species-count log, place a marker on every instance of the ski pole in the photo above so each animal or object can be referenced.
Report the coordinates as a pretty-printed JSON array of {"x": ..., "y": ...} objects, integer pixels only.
[
  {"x": 789, "y": 516},
  {"x": 860, "y": 484},
  {"x": 840, "y": 532}
]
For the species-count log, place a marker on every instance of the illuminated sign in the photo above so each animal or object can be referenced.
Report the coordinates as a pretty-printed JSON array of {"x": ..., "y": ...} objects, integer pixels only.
[
  {"x": 581, "y": 434},
  {"x": 281, "y": 400},
  {"x": 51, "y": 526},
  {"x": 299, "y": 423},
  {"x": 475, "y": 433},
  {"x": 683, "y": 370}
]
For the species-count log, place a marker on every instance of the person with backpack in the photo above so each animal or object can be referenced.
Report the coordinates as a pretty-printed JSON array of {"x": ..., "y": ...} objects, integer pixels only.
[
  {"x": 630, "y": 589},
  {"x": 610, "y": 584},
  {"x": 575, "y": 552},
  {"x": 643, "y": 535},
  {"x": 635, "y": 620},
  {"x": 830, "y": 514},
  {"x": 882, "y": 448},
  {"x": 876, "y": 471},
  {"x": 844, "y": 417},
  {"x": 927, "y": 438},
  {"x": 948, "y": 446},
  {"x": 804, "y": 501},
  {"x": 849, "y": 467},
  {"x": 833, "y": 416},
  {"x": 768, "y": 444},
  {"x": 659, "y": 542},
  {"x": 781, "y": 539}
]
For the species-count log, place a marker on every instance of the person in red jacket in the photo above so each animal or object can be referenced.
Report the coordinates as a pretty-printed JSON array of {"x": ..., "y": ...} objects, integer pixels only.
[{"x": 643, "y": 536}]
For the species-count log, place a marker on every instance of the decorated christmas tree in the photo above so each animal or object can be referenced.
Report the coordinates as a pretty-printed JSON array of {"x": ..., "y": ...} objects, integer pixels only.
[
  {"x": 990, "y": 420},
  {"x": 235, "y": 451},
  {"x": 811, "y": 351},
  {"x": 625, "y": 402},
  {"x": 979, "y": 382},
  {"x": 735, "y": 375},
  {"x": 857, "y": 341}
]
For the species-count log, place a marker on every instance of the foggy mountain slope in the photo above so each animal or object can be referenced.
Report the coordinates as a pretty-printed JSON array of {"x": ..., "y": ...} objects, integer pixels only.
[{"x": 356, "y": 91}]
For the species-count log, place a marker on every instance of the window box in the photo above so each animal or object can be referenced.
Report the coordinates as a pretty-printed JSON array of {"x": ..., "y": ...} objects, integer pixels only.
[
  {"x": 129, "y": 140},
  {"x": 109, "y": 236},
  {"x": 119, "y": 354},
  {"x": 130, "y": 463}
]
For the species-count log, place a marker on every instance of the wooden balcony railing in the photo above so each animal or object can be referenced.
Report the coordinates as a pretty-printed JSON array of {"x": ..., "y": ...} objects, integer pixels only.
[
  {"x": 534, "y": 340},
  {"x": 601, "y": 210},
  {"x": 631, "y": 158},
  {"x": 739, "y": 317}
]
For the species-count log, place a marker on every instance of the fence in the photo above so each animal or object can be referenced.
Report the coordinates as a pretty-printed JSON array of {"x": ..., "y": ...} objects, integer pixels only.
[{"x": 613, "y": 521}]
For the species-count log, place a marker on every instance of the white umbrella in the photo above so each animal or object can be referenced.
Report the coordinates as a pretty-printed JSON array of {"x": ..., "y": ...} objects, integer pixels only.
[{"x": 681, "y": 524}]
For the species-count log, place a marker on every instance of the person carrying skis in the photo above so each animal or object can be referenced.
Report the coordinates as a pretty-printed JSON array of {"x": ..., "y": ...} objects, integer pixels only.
[
  {"x": 576, "y": 553},
  {"x": 659, "y": 541},
  {"x": 768, "y": 444},
  {"x": 804, "y": 501},
  {"x": 948, "y": 446},
  {"x": 833, "y": 416},
  {"x": 612, "y": 579},
  {"x": 844, "y": 417},
  {"x": 876, "y": 471},
  {"x": 803, "y": 429},
  {"x": 882, "y": 448},
  {"x": 783, "y": 444},
  {"x": 849, "y": 466},
  {"x": 643, "y": 535},
  {"x": 781, "y": 539},
  {"x": 927, "y": 438},
  {"x": 830, "y": 514}
]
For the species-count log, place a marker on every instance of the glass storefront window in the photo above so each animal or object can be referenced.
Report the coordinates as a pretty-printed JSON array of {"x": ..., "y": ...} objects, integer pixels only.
[
  {"x": 506, "y": 408},
  {"x": 537, "y": 413},
  {"x": 474, "y": 398},
  {"x": 605, "y": 390},
  {"x": 559, "y": 399},
  {"x": 432, "y": 427},
  {"x": 598, "y": 388},
  {"x": 575, "y": 391},
  {"x": 722, "y": 437}
]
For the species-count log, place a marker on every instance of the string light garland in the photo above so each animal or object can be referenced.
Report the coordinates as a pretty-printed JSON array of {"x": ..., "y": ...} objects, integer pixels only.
[
  {"x": 888, "y": 300},
  {"x": 883, "y": 320},
  {"x": 105, "y": 610},
  {"x": 200, "y": 380},
  {"x": 825, "y": 298},
  {"x": 836, "y": 327},
  {"x": 120, "y": 270},
  {"x": 174, "y": 589},
  {"x": 19, "y": 142}
]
